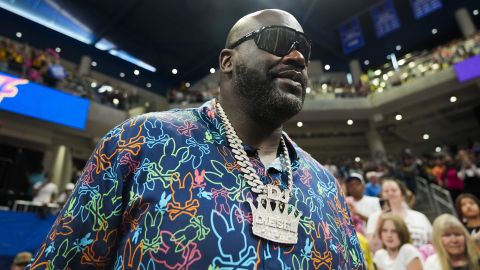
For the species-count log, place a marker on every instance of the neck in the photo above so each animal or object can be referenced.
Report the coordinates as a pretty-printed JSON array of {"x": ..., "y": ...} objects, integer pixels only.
[
  {"x": 398, "y": 209},
  {"x": 358, "y": 198},
  {"x": 473, "y": 222},
  {"x": 261, "y": 136},
  {"x": 458, "y": 260},
  {"x": 392, "y": 253}
]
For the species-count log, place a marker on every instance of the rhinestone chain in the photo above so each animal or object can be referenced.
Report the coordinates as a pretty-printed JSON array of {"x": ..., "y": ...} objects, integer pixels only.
[{"x": 242, "y": 159}]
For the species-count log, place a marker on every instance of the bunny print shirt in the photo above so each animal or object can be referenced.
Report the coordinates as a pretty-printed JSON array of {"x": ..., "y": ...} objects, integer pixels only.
[{"x": 163, "y": 191}]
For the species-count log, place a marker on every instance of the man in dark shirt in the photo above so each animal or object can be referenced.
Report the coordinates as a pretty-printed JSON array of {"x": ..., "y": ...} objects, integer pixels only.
[{"x": 215, "y": 187}]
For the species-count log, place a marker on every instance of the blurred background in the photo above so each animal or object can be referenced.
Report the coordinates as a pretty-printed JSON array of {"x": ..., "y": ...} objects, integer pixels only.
[{"x": 392, "y": 83}]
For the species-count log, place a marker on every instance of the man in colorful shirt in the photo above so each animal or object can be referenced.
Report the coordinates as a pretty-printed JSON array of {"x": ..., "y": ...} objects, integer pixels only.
[{"x": 175, "y": 190}]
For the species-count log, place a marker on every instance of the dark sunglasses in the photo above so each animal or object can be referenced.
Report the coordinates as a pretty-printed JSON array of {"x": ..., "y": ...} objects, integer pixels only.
[{"x": 278, "y": 40}]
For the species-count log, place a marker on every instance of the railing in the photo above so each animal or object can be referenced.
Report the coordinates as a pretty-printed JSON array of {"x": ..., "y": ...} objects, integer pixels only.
[
  {"x": 442, "y": 199},
  {"x": 36, "y": 207},
  {"x": 439, "y": 199}
]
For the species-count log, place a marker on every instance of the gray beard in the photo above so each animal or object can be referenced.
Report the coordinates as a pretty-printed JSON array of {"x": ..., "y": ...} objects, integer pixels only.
[{"x": 263, "y": 102}]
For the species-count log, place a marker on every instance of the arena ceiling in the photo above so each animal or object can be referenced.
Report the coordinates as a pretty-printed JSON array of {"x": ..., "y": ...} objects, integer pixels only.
[{"x": 188, "y": 34}]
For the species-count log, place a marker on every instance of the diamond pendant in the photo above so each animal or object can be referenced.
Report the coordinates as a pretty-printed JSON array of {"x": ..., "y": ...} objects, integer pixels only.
[{"x": 274, "y": 219}]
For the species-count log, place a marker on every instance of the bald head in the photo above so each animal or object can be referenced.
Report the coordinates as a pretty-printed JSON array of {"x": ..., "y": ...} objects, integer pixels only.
[{"x": 257, "y": 20}]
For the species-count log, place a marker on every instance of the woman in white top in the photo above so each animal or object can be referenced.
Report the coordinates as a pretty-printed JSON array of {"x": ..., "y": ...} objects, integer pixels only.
[
  {"x": 418, "y": 224},
  {"x": 455, "y": 249},
  {"x": 397, "y": 252}
]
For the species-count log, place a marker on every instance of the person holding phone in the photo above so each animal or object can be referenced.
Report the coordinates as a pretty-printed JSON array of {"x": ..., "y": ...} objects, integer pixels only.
[{"x": 418, "y": 224}]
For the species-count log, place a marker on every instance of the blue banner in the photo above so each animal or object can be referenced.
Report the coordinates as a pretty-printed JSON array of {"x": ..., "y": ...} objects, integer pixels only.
[
  {"x": 384, "y": 17},
  {"x": 422, "y": 8},
  {"x": 351, "y": 35},
  {"x": 23, "y": 97}
]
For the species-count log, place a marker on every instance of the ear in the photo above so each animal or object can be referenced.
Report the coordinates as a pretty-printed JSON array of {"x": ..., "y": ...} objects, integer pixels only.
[{"x": 225, "y": 60}]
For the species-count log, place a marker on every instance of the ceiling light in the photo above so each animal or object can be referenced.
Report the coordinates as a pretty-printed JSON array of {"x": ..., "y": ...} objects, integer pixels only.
[
  {"x": 136, "y": 72},
  {"x": 438, "y": 149},
  {"x": 299, "y": 124},
  {"x": 366, "y": 62},
  {"x": 174, "y": 71},
  {"x": 149, "y": 85},
  {"x": 380, "y": 90},
  {"x": 115, "y": 101},
  {"x": 434, "y": 31},
  {"x": 187, "y": 84},
  {"x": 401, "y": 62},
  {"x": 377, "y": 72},
  {"x": 93, "y": 64},
  {"x": 411, "y": 64},
  {"x": 327, "y": 67},
  {"x": 398, "y": 47},
  {"x": 349, "y": 122},
  {"x": 58, "y": 49},
  {"x": 93, "y": 84},
  {"x": 475, "y": 12},
  {"x": 122, "y": 74},
  {"x": 426, "y": 136},
  {"x": 398, "y": 117},
  {"x": 324, "y": 86},
  {"x": 212, "y": 70},
  {"x": 19, "y": 34},
  {"x": 453, "y": 99},
  {"x": 308, "y": 90},
  {"x": 357, "y": 159},
  {"x": 385, "y": 77}
]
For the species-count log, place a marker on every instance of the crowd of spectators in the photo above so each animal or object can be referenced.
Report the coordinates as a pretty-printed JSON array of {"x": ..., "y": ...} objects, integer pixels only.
[
  {"x": 381, "y": 196},
  {"x": 46, "y": 67},
  {"x": 411, "y": 66}
]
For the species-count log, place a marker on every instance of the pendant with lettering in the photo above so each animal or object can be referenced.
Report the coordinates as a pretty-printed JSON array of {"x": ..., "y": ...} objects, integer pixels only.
[{"x": 273, "y": 218}]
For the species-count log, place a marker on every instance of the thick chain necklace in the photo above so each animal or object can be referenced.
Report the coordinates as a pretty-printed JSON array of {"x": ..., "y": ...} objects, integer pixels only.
[{"x": 273, "y": 218}]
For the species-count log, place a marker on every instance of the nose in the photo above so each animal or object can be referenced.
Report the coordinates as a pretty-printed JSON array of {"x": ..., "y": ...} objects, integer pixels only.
[{"x": 295, "y": 58}]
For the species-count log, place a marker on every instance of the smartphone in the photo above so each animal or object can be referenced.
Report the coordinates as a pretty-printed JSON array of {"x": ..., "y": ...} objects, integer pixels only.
[{"x": 385, "y": 205}]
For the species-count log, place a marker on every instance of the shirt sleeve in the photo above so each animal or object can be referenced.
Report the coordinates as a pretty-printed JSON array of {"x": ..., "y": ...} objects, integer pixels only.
[
  {"x": 372, "y": 223},
  {"x": 407, "y": 253},
  {"x": 86, "y": 231}
]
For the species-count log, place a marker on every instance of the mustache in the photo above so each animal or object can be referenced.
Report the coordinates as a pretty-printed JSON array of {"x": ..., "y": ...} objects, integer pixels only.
[{"x": 293, "y": 73}]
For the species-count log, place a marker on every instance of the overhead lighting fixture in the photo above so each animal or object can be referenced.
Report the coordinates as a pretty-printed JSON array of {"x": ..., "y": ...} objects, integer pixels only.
[
  {"x": 438, "y": 149},
  {"x": 105, "y": 88},
  {"x": 299, "y": 124},
  {"x": 18, "y": 34},
  {"x": 398, "y": 117},
  {"x": 349, "y": 122},
  {"x": 307, "y": 90},
  {"x": 398, "y": 47},
  {"x": 174, "y": 71},
  {"x": 149, "y": 85},
  {"x": 475, "y": 12},
  {"x": 212, "y": 70},
  {"x": 453, "y": 99},
  {"x": 58, "y": 49},
  {"x": 411, "y": 64},
  {"x": 93, "y": 84},
  {"x": 187, "y": 84},
  {"x": 324, "y": 86},
  {"x": 385, "y": 77},
  {"x": 366, "y": 62},
  {"x": 426, "y": 136},
  {"x": 93, "y": 64},
  {"x": 377, "y": 72},
  {"x": 327, "y": 67},
  {"x": 115, "y": 101},
  {"x": 434, "y": 31},
  {"x": 357, "y": 159},
  {"x": 401, "y": 62},
  {"x": 122, "y": 74},
  {"x": 136, "y": 72}
]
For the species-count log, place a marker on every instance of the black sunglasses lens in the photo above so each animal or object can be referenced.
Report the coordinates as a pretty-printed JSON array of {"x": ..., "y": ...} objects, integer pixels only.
[{"x": 279, "y": 41}]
